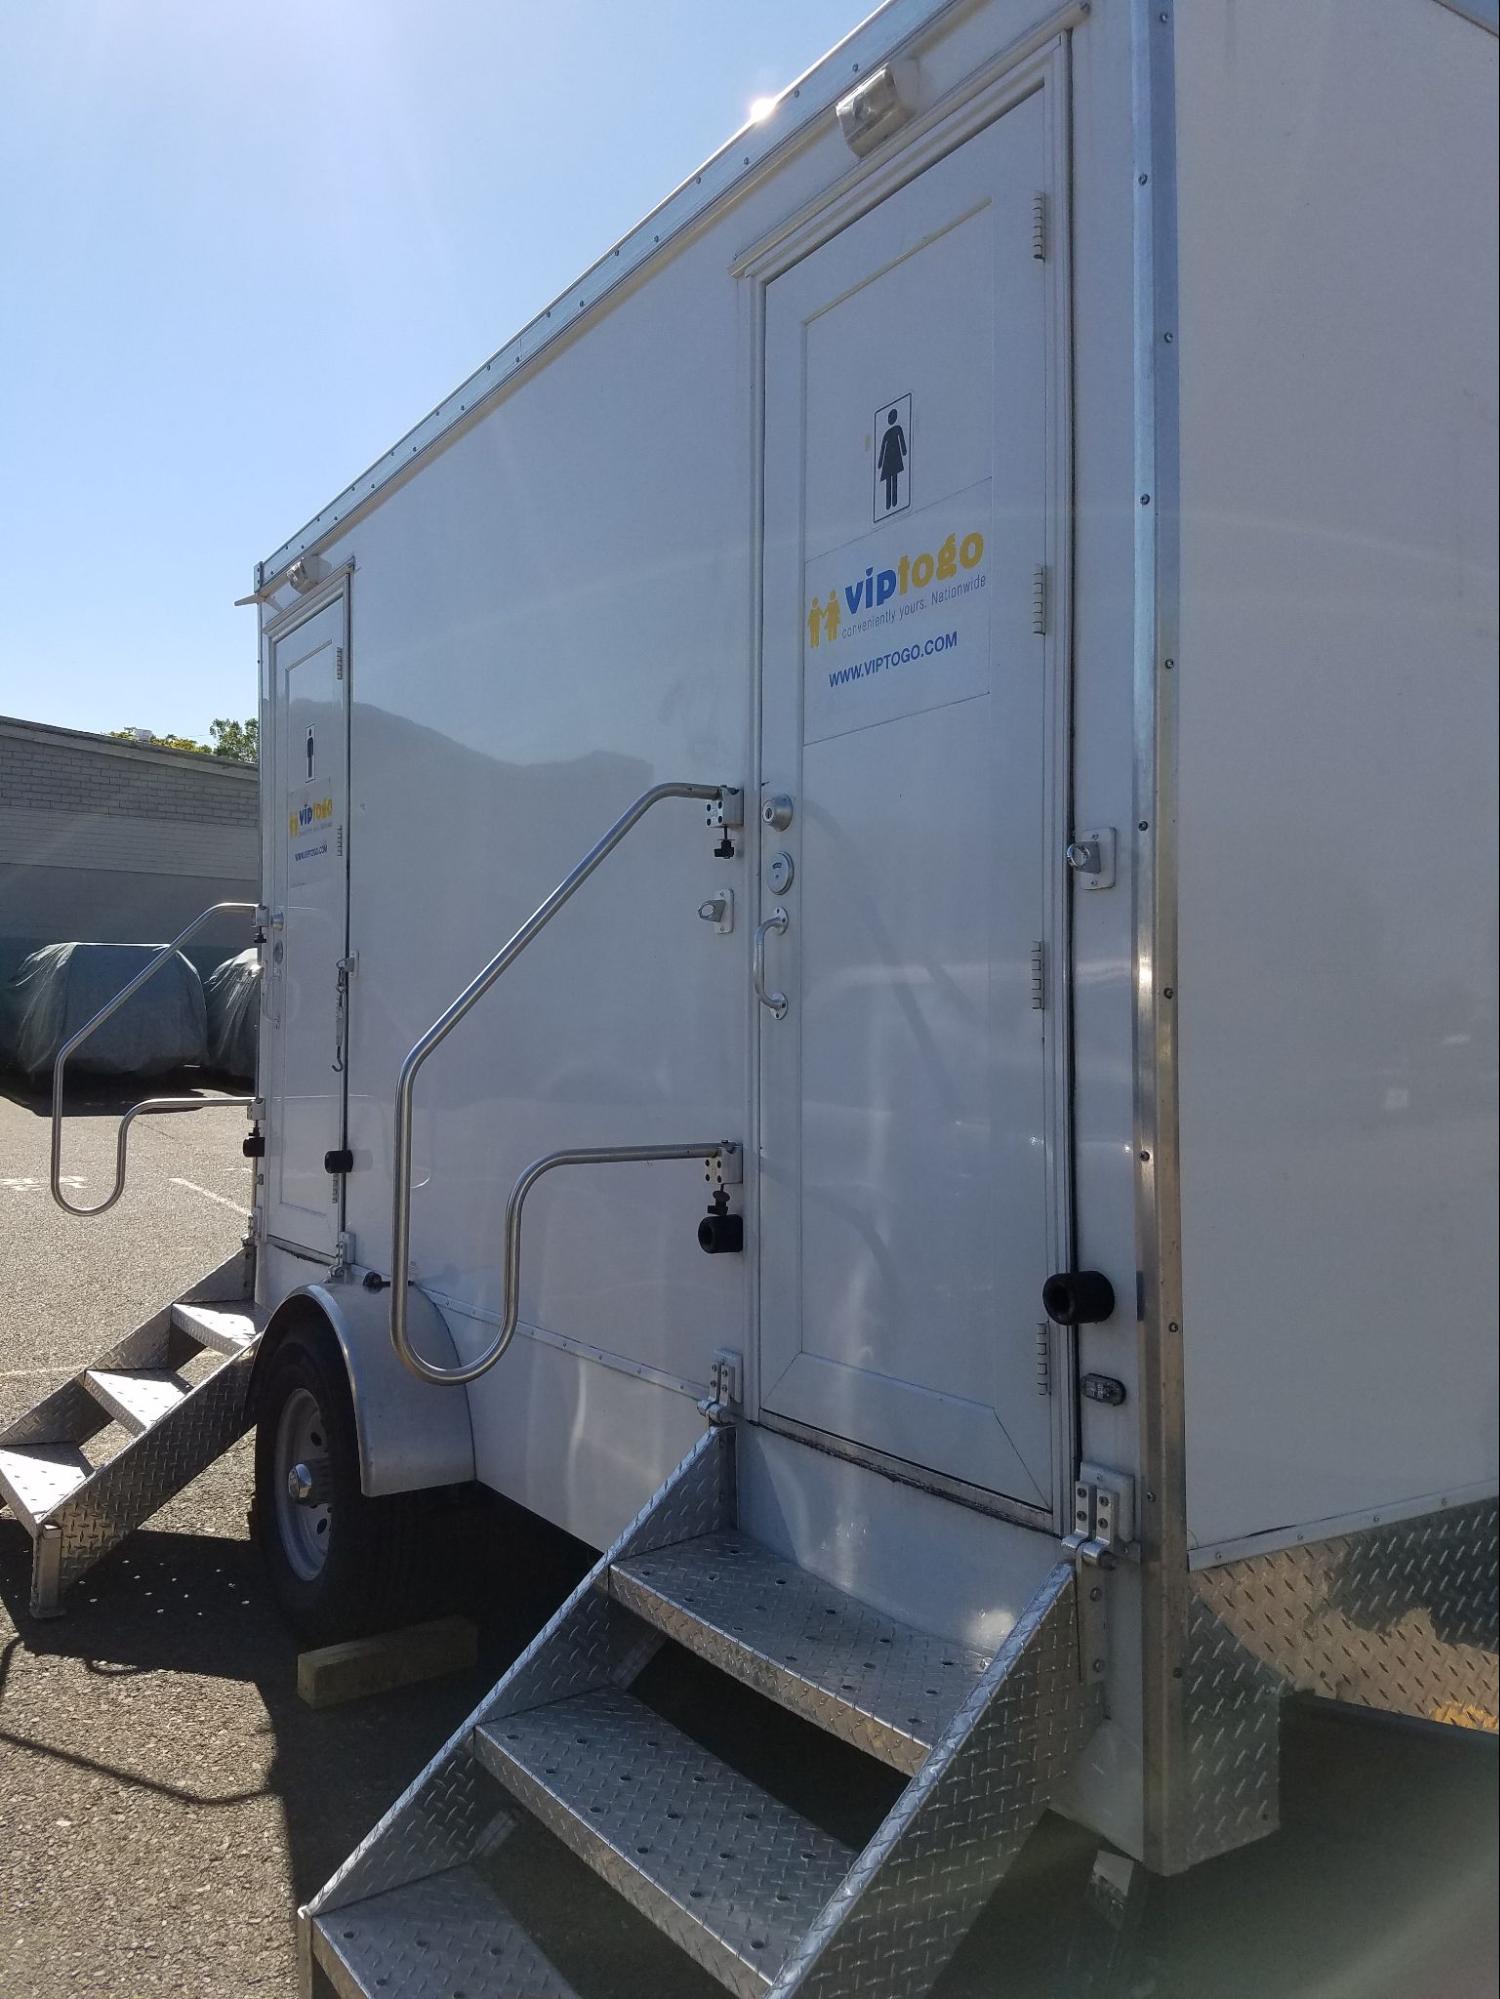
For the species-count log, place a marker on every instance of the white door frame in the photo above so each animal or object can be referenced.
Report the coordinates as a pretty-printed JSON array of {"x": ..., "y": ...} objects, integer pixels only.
[
  {"x": 334, "y": 589},
  {"x": 984, "y": 97}
]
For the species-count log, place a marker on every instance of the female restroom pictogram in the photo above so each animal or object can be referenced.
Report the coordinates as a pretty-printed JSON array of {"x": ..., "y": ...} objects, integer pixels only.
[{"x": 893, "y": 457}]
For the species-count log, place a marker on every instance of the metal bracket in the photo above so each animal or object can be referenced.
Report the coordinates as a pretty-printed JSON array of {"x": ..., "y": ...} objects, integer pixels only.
[
  {"x": 725, "y": 1387},
  {"x": 1103, "y": 1503},
  {"x": 46, "y": 1572},
  {"x": 727, "y": 808},
  {"x": 719, "y": 911},
  {"x": 1091, "y": 856}
]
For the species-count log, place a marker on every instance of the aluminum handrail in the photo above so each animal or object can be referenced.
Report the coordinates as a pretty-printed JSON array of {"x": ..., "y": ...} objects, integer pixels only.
[
  {"x": 439, "y": 1031},
  {"x": 588, "y": 1155},
  {"x": 151, "y": 1105}
]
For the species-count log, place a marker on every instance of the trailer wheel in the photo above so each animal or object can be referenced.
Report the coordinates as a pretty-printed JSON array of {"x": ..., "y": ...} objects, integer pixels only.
[{"x": 339, "y": 1564}]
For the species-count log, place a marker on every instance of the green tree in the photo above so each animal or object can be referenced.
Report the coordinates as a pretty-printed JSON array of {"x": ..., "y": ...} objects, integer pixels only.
[
  {"x": 236, "y": 742},
  {"x": 239, "y": 741}
]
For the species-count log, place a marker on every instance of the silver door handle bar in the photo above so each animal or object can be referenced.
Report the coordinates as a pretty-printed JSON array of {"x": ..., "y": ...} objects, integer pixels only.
[
  {"x": 777, "y": 1002},
  {"x": 712, "y": 1152},
  {"x": 152, "y": 1104},
  {"x": 444, "y": 1025}
]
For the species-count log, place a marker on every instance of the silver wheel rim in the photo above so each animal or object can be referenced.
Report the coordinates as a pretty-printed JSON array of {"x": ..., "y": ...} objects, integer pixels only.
[{"x": 305, "y": 1529}]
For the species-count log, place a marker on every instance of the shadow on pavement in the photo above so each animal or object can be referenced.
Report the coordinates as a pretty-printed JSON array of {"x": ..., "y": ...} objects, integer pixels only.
[
  {"x": 180, "y": 1606},
  {"x": 111, "y": 1096},
  {"x": 1379, "y": 1886}
]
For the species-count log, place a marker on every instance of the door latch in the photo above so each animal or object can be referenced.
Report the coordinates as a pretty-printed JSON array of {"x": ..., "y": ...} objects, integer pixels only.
[
  {"x": 1091, "y": 856},
  {"x": 347, "y": 967},
  {"x": 719, "y": 911}
]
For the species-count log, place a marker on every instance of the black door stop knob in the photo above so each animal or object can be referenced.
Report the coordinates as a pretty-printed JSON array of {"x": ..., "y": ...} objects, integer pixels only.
[{"x": 1078, "y": 1298}]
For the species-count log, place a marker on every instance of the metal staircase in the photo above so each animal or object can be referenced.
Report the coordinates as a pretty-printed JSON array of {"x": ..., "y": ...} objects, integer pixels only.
[
  {"x": 101, "y": 1453},
  {"x": 745, "y": 1886}
]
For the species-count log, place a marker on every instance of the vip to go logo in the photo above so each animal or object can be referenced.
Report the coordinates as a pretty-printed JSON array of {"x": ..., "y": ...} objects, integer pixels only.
[
  {"x": 317, "y": 813},
  {"x": 878, "y": 586}
]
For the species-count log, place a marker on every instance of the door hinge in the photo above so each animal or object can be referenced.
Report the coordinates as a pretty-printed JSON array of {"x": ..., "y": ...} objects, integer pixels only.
[
  {"x": 1044, "y": 1357},
  {"x": 726, "y": 1387},
  {"x": 1039, "y": 227},
  {"x": 338, "y": 662},
  {"x": 1038, "y": 977},
  {"x": 1039, "y": 597},
  {"x": 1103, "y": 1527}
]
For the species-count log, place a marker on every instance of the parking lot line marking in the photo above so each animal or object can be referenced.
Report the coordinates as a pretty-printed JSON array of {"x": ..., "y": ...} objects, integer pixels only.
[{"x": 208, "y": 1194}]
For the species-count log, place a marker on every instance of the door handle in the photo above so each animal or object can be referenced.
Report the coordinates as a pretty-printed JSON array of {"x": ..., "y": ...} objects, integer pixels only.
[{"x": 776, "y": 1002}]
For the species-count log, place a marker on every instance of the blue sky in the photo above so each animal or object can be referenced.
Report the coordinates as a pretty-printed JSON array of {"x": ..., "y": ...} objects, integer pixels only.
[{"x": 244, "y": 246}]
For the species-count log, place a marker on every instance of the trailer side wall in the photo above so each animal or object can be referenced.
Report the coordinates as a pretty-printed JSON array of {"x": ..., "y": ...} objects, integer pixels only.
[
  {"x": 555, "y": 610},
  {"x": 1337, "y": 832}
]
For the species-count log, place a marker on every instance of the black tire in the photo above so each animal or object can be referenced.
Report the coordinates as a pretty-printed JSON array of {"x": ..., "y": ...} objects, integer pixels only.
[{"x": 368, "y": 1578}]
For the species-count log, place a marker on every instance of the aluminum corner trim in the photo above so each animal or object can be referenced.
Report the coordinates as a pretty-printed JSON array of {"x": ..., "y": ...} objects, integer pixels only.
[{"x": 1163, "y": 1510}]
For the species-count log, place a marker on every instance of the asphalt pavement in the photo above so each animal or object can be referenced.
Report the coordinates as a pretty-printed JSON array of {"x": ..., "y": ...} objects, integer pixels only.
[{"x": 166, "y": 1800}]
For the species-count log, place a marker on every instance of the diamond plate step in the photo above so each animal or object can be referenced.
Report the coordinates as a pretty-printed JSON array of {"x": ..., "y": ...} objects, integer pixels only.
[
  {"x": 882, "y": 1686},
  {"x": 433, "y": 1939},
  {"x": 728, "y": 1873},
  {"x": 117, "y": 1496},
  {"x": 137, "y": 1398},
  {"x": 35, "y": 1480},
  {"x": 76, "y": 1509},
  {"x": 230, "y": 1328},
  {"x": 743, "y": 1885}
]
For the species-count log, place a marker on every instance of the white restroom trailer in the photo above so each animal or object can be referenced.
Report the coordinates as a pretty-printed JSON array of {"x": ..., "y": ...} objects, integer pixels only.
[{"x": 1023, "y": 516}]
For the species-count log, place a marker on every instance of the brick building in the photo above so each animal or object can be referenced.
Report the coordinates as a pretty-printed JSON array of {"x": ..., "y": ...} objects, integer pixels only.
[{"x": 120, "y": 842}]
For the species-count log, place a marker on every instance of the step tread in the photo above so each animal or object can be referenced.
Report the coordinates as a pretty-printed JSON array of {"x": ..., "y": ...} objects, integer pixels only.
[
  {"x": 228, "y": 1327},
  {"x": 728, "y": 1872},
  {"x": 137, "y": 1396},
  {"x": 883, "y": 1686},
  {"x": 432, "y": 1938},
  {"x": 39, "y": 1478}
]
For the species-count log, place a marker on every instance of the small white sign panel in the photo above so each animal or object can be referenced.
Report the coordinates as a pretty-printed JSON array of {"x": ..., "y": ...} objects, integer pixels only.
[
  {"x": 898, "y": 621},
  {"x": 892, "y": 435}
]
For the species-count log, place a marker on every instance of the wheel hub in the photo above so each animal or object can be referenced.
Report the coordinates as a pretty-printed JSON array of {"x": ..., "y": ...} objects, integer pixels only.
[
  {"x": 302, "y": 1485},
  {"x": 307, "y": 1482}
]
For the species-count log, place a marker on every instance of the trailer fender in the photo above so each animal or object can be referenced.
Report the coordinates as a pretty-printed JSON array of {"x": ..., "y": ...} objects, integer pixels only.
[{"x": 412, "y": 1435}]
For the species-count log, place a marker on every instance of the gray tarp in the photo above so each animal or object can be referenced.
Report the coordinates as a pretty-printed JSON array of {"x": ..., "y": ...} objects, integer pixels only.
[
  {"x": 232, "y": 994},
  {"x": 163, "y": 1026}
]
